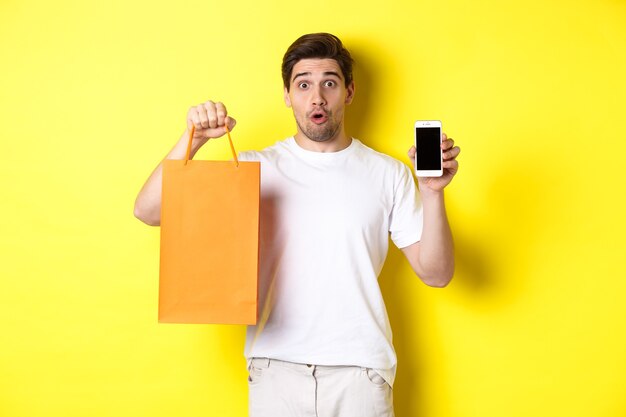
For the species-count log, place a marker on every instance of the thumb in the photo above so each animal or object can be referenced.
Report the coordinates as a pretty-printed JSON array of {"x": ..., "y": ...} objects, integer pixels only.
[{"x": 230, "y": 122}]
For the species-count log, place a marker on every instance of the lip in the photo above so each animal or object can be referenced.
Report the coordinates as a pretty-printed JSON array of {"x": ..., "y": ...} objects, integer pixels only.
[{"x": 323, "y": 117}]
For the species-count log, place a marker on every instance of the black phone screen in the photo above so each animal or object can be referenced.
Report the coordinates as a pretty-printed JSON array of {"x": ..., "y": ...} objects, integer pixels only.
[{"x": 428, "y": 146}]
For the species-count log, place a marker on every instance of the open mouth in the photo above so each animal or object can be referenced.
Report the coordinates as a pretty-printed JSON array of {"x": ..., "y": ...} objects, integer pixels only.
[{"x": 318, "y": 117}]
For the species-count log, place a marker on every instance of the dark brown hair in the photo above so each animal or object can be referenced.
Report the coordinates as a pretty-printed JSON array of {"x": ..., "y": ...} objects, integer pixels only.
[{"x": 317, "y": 45}]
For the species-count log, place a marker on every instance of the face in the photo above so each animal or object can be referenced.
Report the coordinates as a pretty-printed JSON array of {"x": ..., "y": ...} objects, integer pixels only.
[{"x": 318, "y": 95}]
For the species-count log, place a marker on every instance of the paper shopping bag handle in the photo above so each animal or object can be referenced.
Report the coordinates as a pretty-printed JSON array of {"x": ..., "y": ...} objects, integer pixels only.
[{"x": 232, "y": 148}]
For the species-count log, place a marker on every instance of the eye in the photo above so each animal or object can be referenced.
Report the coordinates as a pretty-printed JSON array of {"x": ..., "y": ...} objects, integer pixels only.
[
  {"x": 303, "y": 85},
  {"x": 329, "y": 83}
]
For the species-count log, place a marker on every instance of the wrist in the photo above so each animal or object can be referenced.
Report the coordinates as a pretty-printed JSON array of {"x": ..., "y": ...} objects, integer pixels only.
[
  {"x": 196, "y": 143},
  {"x": 429, "y": 194}
]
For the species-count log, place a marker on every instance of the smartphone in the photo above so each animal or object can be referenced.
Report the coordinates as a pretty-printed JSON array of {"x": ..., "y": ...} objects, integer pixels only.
[{"x": 429, "y": 157}]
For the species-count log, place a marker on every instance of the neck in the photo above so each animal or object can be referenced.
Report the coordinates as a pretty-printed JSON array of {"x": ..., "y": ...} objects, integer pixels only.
[{"x": 335, "y": 144}]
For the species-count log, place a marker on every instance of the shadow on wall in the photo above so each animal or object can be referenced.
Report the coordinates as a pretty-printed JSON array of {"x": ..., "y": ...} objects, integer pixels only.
[
  {"x": 521, "y": 209},
  {"x": 493, "y": 251},
  {"x": 494, "y": 263},
  {"x": 408, "y": 307},
  {"x": 496, "y": 246},
  {"x": 357, "y": 122},
  {"x": 408, "y": 388}
]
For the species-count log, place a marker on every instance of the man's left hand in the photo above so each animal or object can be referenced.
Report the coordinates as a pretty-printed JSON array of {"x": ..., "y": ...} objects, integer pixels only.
[{"x": 450, "y": 166}]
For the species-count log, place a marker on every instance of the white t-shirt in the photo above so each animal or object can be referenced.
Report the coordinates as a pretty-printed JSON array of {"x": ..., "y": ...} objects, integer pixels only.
[{"x": 324, "y": 233}]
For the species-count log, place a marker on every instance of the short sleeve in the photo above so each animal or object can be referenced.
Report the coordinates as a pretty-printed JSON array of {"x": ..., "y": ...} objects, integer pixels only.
[
  {"x": 406, "y": 218},
  {"x": 247, "y": 156}
]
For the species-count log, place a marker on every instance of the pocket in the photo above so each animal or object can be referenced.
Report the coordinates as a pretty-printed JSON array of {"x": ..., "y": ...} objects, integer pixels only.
[
  {"x": 254, "y": 374},
  {"x": 256, "y": 368},
  {"x": 375, "y": 378},
  {"x": 380, "y": 395}
]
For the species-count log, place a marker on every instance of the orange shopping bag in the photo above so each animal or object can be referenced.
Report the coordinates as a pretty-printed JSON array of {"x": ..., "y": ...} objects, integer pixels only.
[{"x": 209, "y": 241}]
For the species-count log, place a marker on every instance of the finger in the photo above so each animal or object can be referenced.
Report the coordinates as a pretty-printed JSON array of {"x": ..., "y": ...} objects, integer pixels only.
[
  {"x": 447, "y": 144},
  {"x": 220, "y": 111},
  {"x": 202, "y": 117},
  {"x": 194, "y": 118},
  {"x": 452, "y": 165},
  {"x": 452, "y": 153},
  {"x": 444, "y": 137},
  {"x": 411, "y": 152},
  {"x": 211, "y": 114},
  {"x": 212, "y": 119}
]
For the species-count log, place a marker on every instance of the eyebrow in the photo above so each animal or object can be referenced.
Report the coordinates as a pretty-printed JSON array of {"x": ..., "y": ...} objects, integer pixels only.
[{"x": 327, "y": 73}]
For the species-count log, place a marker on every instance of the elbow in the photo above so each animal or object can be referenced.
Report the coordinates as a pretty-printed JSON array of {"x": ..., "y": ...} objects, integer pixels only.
[
  {"x": 146, "y": 217},
  {"x": 441, "y": 279},
  {"x": 440, "y": 282}
]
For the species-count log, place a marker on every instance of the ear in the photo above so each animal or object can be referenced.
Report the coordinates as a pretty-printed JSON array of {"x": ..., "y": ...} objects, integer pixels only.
[
  {"x": 286, "y": 97},
  {"x": 350, "y": 92}
]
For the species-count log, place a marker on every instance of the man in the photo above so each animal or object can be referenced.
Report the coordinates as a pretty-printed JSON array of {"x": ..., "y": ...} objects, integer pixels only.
[{"x": 322, "y": 346}]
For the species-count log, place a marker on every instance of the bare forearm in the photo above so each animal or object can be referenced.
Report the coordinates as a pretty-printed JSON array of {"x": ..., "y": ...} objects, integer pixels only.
[
  {"x": 148, "y": 202},
  {"x": 436, "y": 254},
  {"x": 432, "y": 258}
]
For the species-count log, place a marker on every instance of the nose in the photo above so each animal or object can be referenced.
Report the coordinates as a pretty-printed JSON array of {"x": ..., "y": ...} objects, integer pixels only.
[{"x": 318, "y": 97}]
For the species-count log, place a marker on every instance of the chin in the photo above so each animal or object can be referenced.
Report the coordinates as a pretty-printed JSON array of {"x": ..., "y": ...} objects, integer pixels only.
[
  {"x": 321, "y": 134},
  {"x": 318, "y": 139}
]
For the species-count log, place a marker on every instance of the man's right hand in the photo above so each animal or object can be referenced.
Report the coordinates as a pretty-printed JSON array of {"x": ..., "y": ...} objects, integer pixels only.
[{"x": 209, "y": 120}]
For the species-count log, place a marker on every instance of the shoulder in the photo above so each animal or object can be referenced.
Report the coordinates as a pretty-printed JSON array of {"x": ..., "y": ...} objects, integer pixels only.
[
  {"x": 269, "y": 153},
  {"x": 380, "y": 160}
]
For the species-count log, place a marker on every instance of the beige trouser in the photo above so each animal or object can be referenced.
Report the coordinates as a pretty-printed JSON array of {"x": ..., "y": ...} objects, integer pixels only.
[{"x": 286, "y": 389}]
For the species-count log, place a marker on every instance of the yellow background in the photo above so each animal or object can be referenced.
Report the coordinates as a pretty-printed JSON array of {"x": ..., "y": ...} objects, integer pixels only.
[{"x": 93, "y": 94}]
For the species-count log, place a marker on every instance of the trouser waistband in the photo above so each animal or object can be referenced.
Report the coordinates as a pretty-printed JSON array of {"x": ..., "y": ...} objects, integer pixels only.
[{"x": 301, "y": 367}]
